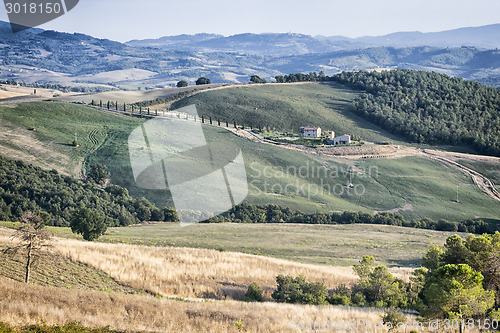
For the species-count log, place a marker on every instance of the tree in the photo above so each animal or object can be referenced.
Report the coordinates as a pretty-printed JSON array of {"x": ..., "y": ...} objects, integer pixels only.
[
  {"x": 256, "y": 79},
  {"x": 203, "y": 80},
  {"x": 88, "y": 223},
  {"x": 253, "y": 294},
  {"x": 75, "y": 141},
  {"x": 279, "y": 79},
  {"x": 98, "y": 173},
  {"x": 379, "y": 287},
  {"x": 456, "y": 292},
  {"x": 182, "y": 83},
  {"x": 170, "y": 214},
  {"x": 433, "y": 257},
  {"x": 32, "y": 239},
  {"x": 364, "y": 268}
]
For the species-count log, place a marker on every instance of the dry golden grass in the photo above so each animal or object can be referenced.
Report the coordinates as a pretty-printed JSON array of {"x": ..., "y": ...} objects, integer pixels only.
[
  {"x": 26, "y": 304},
  {"x": 192, "y": 273}
]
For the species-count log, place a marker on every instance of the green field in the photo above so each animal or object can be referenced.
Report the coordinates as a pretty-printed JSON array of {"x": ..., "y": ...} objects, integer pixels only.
[
  {"x": 488, "y": 169},
  {"x": 288, "y": 107},
  {"x": 413, "y": 186},
  {"x": 57, "y": 124},
  {"x": 332, "y": 245}
]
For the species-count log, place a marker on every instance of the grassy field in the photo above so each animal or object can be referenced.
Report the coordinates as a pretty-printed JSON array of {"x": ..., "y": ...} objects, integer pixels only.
[
  {"x": 58, "y": 271},
  {"x": 288, "y": 107},
  {"x": 413, "y": 186},
  {"x": 337, "y": 245},
  {"x": 56, "y": 125}
]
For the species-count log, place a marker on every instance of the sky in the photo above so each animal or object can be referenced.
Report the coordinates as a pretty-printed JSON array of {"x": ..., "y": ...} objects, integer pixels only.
[{"x": 124, "y": 20}]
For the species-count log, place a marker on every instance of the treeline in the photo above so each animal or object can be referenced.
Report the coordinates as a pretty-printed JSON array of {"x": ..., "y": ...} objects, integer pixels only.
[
  {"x": 55, "y": 86},
  {"x": 247, "y": 213},
  {"x": 164, "y": 100},
  {"x": 54, "y": 197},
  {"x": 424, "y": 107}
]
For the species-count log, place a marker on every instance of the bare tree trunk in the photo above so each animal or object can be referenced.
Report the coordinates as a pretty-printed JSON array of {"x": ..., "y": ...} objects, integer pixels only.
[{"x": 28, "y": 264}]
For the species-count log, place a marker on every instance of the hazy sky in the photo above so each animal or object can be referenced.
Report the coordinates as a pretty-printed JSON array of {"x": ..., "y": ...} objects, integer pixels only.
[{"x": 124, "y": 20}]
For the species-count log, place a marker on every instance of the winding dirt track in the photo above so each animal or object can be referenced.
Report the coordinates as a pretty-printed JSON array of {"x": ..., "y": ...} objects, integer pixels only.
[
  {"x": 481, "y": 181},
  {"x": 369, "y": 151}
]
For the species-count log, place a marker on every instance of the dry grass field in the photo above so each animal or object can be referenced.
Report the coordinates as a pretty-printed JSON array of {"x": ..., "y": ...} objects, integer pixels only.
[
  {"x": 178, "y": 278},
  {"x": 25, "y": 304},
  {"x": 186, "y": 272}
]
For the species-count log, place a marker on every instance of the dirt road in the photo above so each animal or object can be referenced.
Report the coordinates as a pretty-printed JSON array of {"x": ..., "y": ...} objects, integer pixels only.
[{"x": 369, "y": 151}]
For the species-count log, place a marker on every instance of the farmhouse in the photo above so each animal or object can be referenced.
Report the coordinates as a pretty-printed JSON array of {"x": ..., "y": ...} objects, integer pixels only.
[
  {"x": 342, "y": 140},
  {"x": 310, "y": 132},
  {"x": 330, "y": 134}
]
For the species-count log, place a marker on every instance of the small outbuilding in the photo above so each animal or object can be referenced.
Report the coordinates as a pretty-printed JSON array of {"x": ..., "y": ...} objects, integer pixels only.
[{"x": 342, "y": 140}]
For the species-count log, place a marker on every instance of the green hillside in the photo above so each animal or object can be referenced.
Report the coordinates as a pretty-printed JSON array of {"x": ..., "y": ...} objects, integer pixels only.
[
  {"x": 56, "y": 125},
  {"x": 415, "y": 187},
  {"x": 288, "y": 107}
]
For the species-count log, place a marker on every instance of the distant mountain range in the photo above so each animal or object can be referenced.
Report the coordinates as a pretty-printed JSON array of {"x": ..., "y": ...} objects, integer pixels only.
[
  {"x": 485, "y": 37},
  {"x": 37, "y": 55}
]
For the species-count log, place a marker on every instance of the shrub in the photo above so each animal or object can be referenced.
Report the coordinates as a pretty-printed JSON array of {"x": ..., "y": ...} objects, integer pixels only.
[
  {"x": 254, "y": 293},
  {"x": 392, "y": 318}
]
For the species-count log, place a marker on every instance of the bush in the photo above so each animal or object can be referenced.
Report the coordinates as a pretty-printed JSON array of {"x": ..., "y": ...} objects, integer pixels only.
[
  {"x": 392, "y": 318},
  {"x": 253, "y": 294},
  {"x": 181, "y": 84},
  {"x": 341, "y": 295},
  {"x": 297, "y": 290},
  {"x": 358, "y": 299},
  {"x": 337, "y": 299}
]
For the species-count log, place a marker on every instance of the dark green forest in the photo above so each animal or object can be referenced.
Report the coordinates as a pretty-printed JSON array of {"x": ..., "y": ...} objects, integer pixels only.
[
  {"x": 423, "y": 107},
  {"x": 247, "y": 213},
  {"x": 430, "y": 108},
  {"x": 24, "y": 187}
]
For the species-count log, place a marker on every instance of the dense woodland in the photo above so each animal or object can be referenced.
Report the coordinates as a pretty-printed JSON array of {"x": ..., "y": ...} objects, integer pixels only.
[
  {"x": 424, "y": 107},
  {"x": 54, "y": 197},
  {"x": 246, "y": 213},
  {"x": 430, "y": 108}
]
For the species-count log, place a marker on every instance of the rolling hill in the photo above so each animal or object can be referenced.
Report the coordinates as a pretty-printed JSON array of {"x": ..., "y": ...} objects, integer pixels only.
[
  {"x": 484, "y": 37},
  {"x": 414, "y": 186},
  {"x": 37, "y": 55}
]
